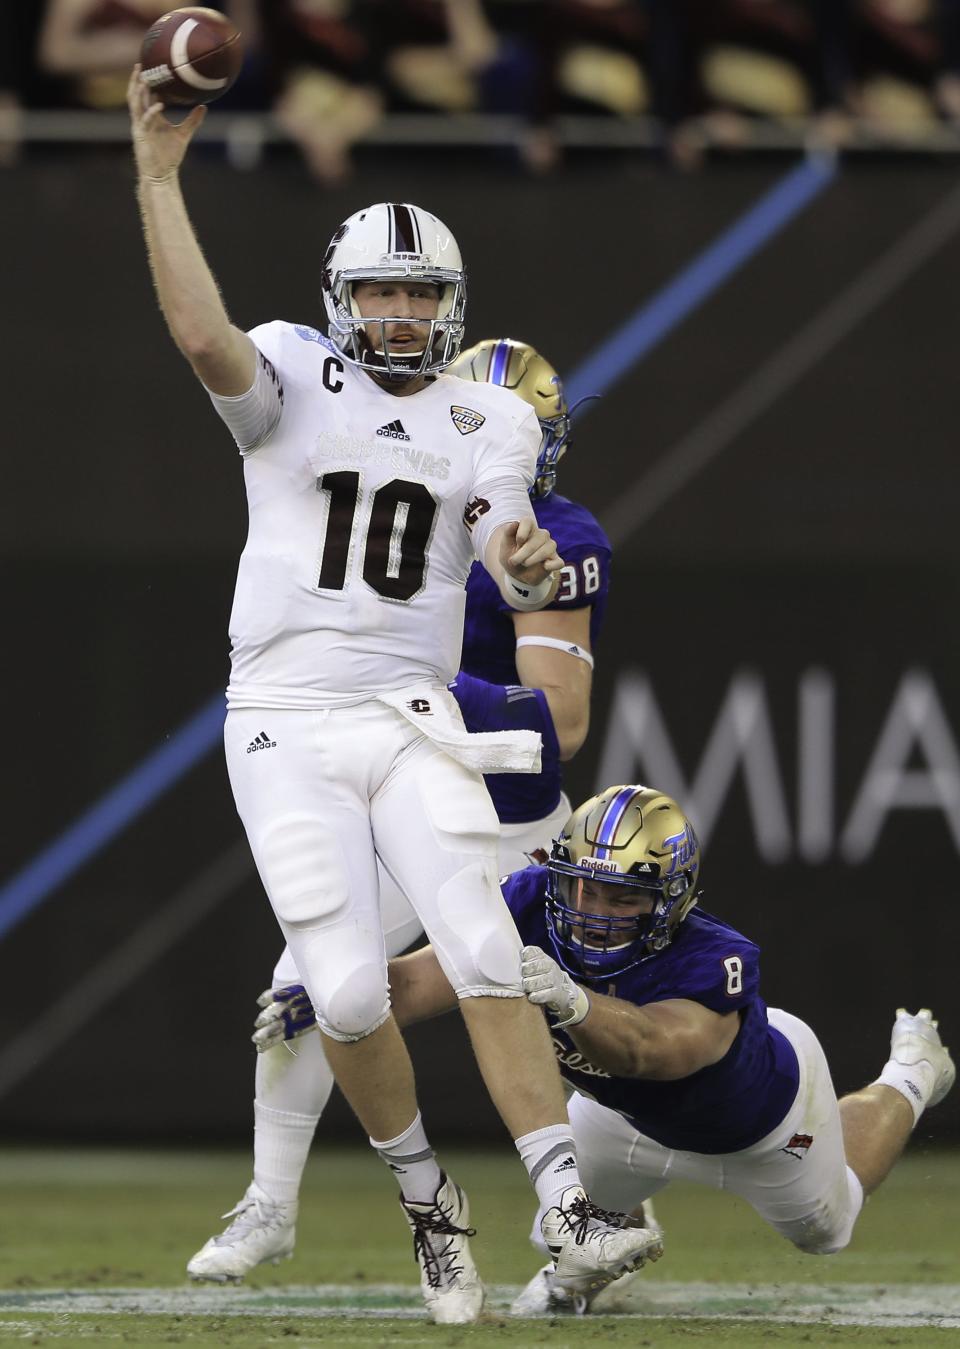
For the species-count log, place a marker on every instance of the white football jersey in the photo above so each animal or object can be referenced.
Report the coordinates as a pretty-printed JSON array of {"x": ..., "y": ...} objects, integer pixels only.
[{"x": 366, "y": 512}]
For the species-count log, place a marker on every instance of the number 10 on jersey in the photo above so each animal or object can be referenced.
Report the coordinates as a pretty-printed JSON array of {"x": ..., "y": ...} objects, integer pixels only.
[{"x": 399, "y": 529}]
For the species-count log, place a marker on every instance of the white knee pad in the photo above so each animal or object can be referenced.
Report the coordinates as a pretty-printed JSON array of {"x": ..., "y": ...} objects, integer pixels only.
[
  {"x": 354, "y": 1004},
  {"x": 302, "y": 866},
  {"x": 830, "y": 1229},
  {"x": 475, "y": 939}
]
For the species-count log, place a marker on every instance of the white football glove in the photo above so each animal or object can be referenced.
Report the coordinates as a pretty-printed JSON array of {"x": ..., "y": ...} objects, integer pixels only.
[
  {"x": 287, "y": 1013},
  {"x": 547, "y": 985}
]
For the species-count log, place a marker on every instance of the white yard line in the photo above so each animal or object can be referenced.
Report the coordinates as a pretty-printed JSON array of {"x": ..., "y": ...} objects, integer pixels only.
[{"x": 842, "y": 1304}]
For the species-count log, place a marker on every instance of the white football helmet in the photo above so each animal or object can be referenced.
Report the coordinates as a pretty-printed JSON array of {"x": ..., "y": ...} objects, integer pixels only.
[{"x": 394, "y": 240}]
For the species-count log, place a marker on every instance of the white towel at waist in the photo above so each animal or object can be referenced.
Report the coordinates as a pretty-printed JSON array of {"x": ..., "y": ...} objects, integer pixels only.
[{"x": 434, "y": 711}]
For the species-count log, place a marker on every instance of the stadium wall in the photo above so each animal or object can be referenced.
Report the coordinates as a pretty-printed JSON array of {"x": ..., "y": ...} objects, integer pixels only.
[{"x": 779, "y": 649}]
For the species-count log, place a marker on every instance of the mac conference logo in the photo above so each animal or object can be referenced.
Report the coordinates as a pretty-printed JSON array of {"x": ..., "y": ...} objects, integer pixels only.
[{"x": 466, "y": 420}]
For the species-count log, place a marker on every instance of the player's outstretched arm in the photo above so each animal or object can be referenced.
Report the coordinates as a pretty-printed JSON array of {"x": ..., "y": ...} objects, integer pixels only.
[
  {"x": 221, "y": 355},
  {"x": 419, "y": 989},
  {"x": 522, "y": 558},
  {"x": 662, "y": 1041}
]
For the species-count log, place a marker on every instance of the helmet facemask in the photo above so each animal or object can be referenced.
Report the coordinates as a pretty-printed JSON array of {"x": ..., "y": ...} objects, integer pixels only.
[
  {"x": 555, "y": 443},
  {"x": 553, "y": 446},
  {"x": 443, "y": 334},
  {"x": 394, "y": 242}
]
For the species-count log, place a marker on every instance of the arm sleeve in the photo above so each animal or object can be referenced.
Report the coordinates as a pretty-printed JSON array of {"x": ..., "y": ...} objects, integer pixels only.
[
  {"x": 253, "y": 416},
  {"x": 506, "y": 499},
  {"x": 501, "y": 488}
]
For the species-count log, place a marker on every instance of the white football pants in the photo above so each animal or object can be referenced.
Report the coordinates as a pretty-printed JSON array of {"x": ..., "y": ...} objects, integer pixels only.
[
  {"x": 327, "y": 794},
  {"x": 402, "y": 927},
  {"x": 293, "y": 1080},
  {"x": 797, "y": 1178}
]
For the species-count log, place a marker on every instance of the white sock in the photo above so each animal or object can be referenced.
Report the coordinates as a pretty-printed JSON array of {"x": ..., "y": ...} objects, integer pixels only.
[
  {"x": 281, "y": 1145},
  {"x": 293, "y": 1084},
  {"x": 914, "y": 1081},
  {"x": 550, "y": 1157},
  {"x": 410, "y": 1157},
  {"x": 295, "y": 1076}
]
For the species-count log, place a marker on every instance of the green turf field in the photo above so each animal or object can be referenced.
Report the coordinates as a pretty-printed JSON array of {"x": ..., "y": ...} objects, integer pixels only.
[{"x": 93, "y": 1246}]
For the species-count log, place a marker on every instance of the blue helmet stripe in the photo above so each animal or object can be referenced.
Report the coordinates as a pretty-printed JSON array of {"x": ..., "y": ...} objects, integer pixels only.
[
  {"x": 611, "y": 820},
  {"x": 499, "y": 363}
]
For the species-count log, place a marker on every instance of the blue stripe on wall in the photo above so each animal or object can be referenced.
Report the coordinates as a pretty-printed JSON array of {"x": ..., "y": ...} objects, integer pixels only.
[
  {"x": 156, "y": 774},
  {"x": 655, "y": 319}
]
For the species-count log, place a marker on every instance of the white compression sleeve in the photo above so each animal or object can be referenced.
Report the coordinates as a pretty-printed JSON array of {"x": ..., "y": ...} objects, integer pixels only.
[{"x": 253, "y": 416}]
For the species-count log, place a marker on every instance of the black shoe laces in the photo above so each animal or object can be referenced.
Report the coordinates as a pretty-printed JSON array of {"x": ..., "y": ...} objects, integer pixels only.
[
  {"x": 582, "y": 1213},
  {"x": 439, "y": 1262}
]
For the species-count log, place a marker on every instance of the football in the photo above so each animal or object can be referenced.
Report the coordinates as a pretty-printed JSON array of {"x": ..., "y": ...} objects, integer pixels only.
[{"x": 191, "y": 56}]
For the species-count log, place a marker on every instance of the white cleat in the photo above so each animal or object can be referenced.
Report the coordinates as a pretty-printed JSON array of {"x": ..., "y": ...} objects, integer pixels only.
[
  {"x": 261, "y": 1230},
  {"x": 449, "y": 1281},
  {"x": 915, "y": 1038},
  {"x": 591, "y": 1247},
  {"x": 544, "y": 1296}
]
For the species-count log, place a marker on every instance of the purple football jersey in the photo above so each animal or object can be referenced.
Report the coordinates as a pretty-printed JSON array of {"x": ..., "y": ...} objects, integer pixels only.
[
  {"x": 723, "y": 1108},
  {"x": 489, "y": 638}
]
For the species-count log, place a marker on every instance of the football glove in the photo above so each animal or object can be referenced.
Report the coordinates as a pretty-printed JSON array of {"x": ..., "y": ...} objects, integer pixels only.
[
  {"x": 287, "y": 1013},
  {"x": 549, "y": 986}
]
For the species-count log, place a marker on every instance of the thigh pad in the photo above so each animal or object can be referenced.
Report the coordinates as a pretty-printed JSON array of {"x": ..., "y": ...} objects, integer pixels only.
[{"x": 303, "y": 868}]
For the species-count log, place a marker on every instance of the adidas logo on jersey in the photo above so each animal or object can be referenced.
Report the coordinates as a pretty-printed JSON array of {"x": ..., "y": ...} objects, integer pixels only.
[
  {"x": 393, "y": 431},
  {"x": 262, "y": 741}
]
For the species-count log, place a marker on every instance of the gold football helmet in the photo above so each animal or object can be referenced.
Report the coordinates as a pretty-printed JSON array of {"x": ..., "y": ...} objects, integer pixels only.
[
  {"x": 632, "y": 837},
  {"x": 519, "y": 367}
]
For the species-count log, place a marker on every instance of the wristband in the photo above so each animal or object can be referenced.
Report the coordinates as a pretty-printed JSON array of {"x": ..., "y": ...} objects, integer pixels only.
[{"x": 523, "y": 595}]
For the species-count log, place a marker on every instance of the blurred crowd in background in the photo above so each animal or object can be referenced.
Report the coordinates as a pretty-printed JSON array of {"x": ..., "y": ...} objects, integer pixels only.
[{"x": 698, "y": 73}]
